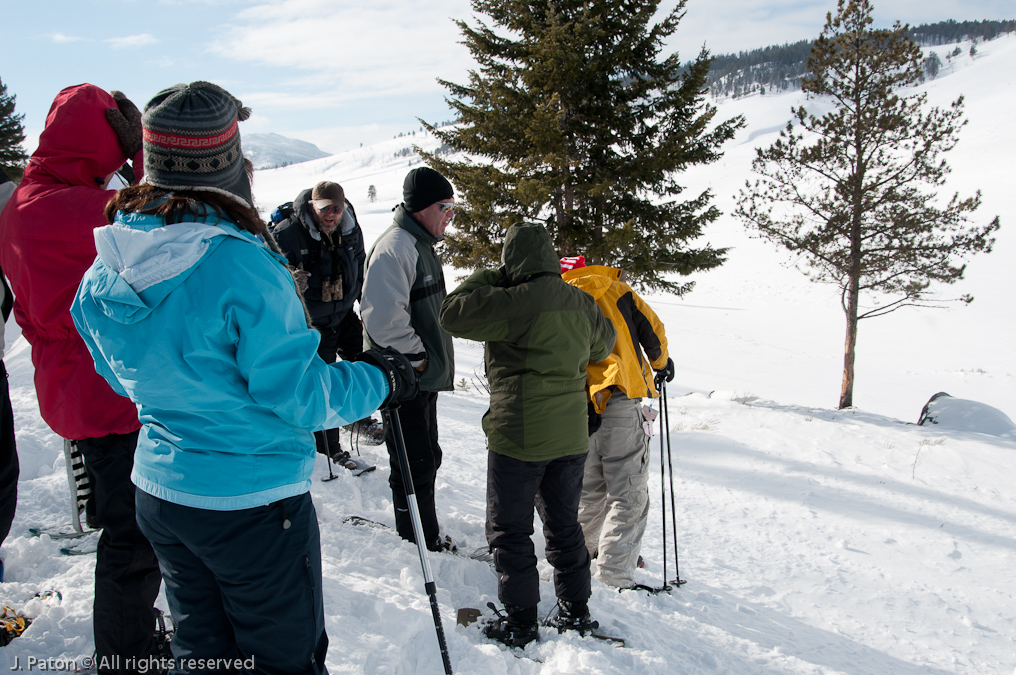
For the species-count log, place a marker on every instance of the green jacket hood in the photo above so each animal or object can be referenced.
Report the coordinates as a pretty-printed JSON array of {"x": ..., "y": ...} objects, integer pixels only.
[{"x": 528, "y": 250}]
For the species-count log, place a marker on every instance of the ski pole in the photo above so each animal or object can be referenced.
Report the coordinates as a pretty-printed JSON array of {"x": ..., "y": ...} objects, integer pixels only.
[
  {"x": 322, "y": 442},
  {"x": 677, "y": 581},
  {"x": 664, "y": 431},
  {"x": 391, "y": 415}
]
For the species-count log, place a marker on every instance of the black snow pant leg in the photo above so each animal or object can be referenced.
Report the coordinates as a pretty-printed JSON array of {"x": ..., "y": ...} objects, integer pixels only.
[
  {"x": 514, "y": 489},
  {"x": 557, "y": 502},
  {"x": 419, "y": 429},
  {"x": 349, "y": 341},
  {"x": 327, "y": 350},
  {"x": 512, "y": 485},
  {"x": 8, "y": 459},
  {"x": 349, "y": 336},
  {"x": 242, "y": 584},
  {"x": 127, "y": 574}
]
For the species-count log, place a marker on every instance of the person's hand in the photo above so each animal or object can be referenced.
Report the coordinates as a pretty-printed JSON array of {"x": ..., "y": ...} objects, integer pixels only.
[
  {"x": 403, "y": 383},
  {"x": 125, "y": 119},
  {"x": 300, "y": 277},
  {"x": 665, "y": 373}
]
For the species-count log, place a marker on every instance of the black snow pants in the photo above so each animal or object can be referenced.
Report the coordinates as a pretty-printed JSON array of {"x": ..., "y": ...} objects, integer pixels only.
[
  {"x": 127, "y": 576},
  {"x": 553, "y": 487},
  {"x": 419, "y": 429},
  {"x": 8, "y": 458}
]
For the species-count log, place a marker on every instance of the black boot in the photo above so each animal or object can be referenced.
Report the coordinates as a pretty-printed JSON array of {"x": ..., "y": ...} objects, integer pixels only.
[
  {"x": 572, "y": 616},
  {"x": 517, "y": 629}
]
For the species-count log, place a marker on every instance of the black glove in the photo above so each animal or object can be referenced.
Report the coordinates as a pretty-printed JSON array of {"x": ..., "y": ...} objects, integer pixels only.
[
  {"x": 595, "y": 419},
  {"x": 125, "y": 119},
  {"x": 665, "y": 373},
  {"x": 403, "y": 381}
]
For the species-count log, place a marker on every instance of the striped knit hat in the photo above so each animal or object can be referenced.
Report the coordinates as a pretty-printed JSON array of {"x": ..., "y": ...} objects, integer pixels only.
[
  {"x": 572, "y": 263},
  {"x": 191, "y": 141}
]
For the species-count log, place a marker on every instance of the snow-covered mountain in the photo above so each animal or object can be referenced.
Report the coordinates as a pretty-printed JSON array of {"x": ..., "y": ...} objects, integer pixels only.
[
  {"x": 269, "y": 151},
  {"x": 813, "y": 541}
]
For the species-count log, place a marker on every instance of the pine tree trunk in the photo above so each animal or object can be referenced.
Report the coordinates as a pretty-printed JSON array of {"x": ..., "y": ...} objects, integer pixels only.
[
  {"x": 847, "y": 389},
  {"x": 850, "y": 307},
  {"x": 856, "y": 185}
]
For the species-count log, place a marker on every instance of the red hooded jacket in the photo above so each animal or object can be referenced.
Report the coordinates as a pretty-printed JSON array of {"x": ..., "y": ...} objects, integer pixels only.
[{"x": 47, "y": 245}]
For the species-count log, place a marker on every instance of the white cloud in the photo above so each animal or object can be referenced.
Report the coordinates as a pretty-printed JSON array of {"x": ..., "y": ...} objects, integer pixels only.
[
  {"x": 60, "y": 38},
  {"x": 343, "y": 51},
  {"x": 131, "y": 41}
]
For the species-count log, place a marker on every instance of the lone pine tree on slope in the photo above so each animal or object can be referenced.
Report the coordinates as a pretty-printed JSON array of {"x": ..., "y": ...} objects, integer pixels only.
[
  {"x": 844, "y": 190},
  {"x": 571, "y": 119}
]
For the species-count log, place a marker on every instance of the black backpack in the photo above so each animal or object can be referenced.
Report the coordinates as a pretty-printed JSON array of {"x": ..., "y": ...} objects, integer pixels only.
[{"x": 281, "y": 212}]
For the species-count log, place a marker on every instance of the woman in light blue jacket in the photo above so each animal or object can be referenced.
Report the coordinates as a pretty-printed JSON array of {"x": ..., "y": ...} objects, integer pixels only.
[{"x": 188, "y": 313}]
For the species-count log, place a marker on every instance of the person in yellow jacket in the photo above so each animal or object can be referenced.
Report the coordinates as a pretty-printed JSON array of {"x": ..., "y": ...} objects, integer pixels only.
[{"x": 615, "y": 486}]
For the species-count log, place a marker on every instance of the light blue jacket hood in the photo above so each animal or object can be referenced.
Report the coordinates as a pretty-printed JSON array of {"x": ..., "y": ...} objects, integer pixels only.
[
  {"x": 200, "y": 325},
  {"x": 145, "y": 261}
]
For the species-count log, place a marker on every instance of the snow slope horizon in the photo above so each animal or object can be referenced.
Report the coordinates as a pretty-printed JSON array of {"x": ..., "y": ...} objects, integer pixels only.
[{"x": 813, "y": 540}]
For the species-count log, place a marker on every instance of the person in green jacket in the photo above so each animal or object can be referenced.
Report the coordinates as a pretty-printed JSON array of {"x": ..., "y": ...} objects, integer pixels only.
[{"x": 540, "y": 335}]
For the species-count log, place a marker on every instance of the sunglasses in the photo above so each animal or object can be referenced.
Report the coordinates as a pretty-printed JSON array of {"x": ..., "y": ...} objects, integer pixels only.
[
  {"x": 445, "y": 206},
  {"x": 331, "y": 210}
]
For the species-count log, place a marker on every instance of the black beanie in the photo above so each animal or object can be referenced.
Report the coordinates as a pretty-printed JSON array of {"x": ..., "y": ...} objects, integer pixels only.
[{"x": 423, "y": 187}]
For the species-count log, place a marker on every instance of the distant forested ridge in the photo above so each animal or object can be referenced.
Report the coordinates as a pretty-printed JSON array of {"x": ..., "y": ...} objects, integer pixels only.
[{"x": 779, "y": 68}]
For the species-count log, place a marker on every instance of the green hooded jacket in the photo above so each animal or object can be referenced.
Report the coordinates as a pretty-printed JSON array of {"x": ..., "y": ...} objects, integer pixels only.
[{"x": 540, "y": 335}]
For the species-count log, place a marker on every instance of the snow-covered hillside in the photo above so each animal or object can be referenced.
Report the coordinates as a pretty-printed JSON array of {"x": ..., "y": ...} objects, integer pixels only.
[{"x": 812, "y": 540}]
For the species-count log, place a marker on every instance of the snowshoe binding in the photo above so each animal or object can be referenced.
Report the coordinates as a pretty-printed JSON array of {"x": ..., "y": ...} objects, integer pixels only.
[
  {"x": 367, "y": 431},
  {"x": 517, "y": 628},
  {"x": 572, "y": 616}
]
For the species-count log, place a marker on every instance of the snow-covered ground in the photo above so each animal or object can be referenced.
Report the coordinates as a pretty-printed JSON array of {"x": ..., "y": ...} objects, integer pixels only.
[{"x": 812, "y": 540}]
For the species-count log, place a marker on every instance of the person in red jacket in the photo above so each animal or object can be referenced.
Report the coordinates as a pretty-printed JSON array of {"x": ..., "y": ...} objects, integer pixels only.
[{"x": 46, "y": 229}]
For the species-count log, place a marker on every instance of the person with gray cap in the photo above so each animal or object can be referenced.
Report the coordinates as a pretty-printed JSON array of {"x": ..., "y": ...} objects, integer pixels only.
[
  {"x": 323, "y": 243},
  {"x": 403, "y": 287},
  {"x": 189, "y": 314}
]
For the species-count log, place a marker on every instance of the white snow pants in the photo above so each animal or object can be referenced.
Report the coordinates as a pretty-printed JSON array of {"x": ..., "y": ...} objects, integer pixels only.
[{"x": 615, "y": 491}]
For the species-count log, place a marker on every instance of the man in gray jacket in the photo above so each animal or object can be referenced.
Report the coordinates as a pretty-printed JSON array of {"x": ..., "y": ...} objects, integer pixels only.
[{"x": 403, "y": 287}]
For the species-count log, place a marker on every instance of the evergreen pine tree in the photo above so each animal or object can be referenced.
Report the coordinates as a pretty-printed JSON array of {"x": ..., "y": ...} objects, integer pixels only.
[
  {"x": 932, "y": 65},
  {"x": 851, "y": 203},
  {"x": 12, "y": 134},
  {"x": 572, "y": 119}
]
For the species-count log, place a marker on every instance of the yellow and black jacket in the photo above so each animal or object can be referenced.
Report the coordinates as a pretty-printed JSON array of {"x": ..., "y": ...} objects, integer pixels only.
[{"x": 638, "y": 329}]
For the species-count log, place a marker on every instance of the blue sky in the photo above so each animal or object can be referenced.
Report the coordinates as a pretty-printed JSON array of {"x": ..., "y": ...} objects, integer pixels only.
[{"x": 334, "y": 72}]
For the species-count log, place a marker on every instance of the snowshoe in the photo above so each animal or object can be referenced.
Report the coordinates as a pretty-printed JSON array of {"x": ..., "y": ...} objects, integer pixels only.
[
  {"x": 12, "y": 625},
  {"x": 572, "y": 616},
  {"x": 444, "y": 545},
  {"x": 357, "y": 465},
  {"x": 367, "y": 431},
  {"x": 163, "y": 635},
  {"x": 515, "y": 629},
  {"x": 483, "y": 554},
  {"x": 360, "y": 520},
  {"x": 57, "y": 533}
]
